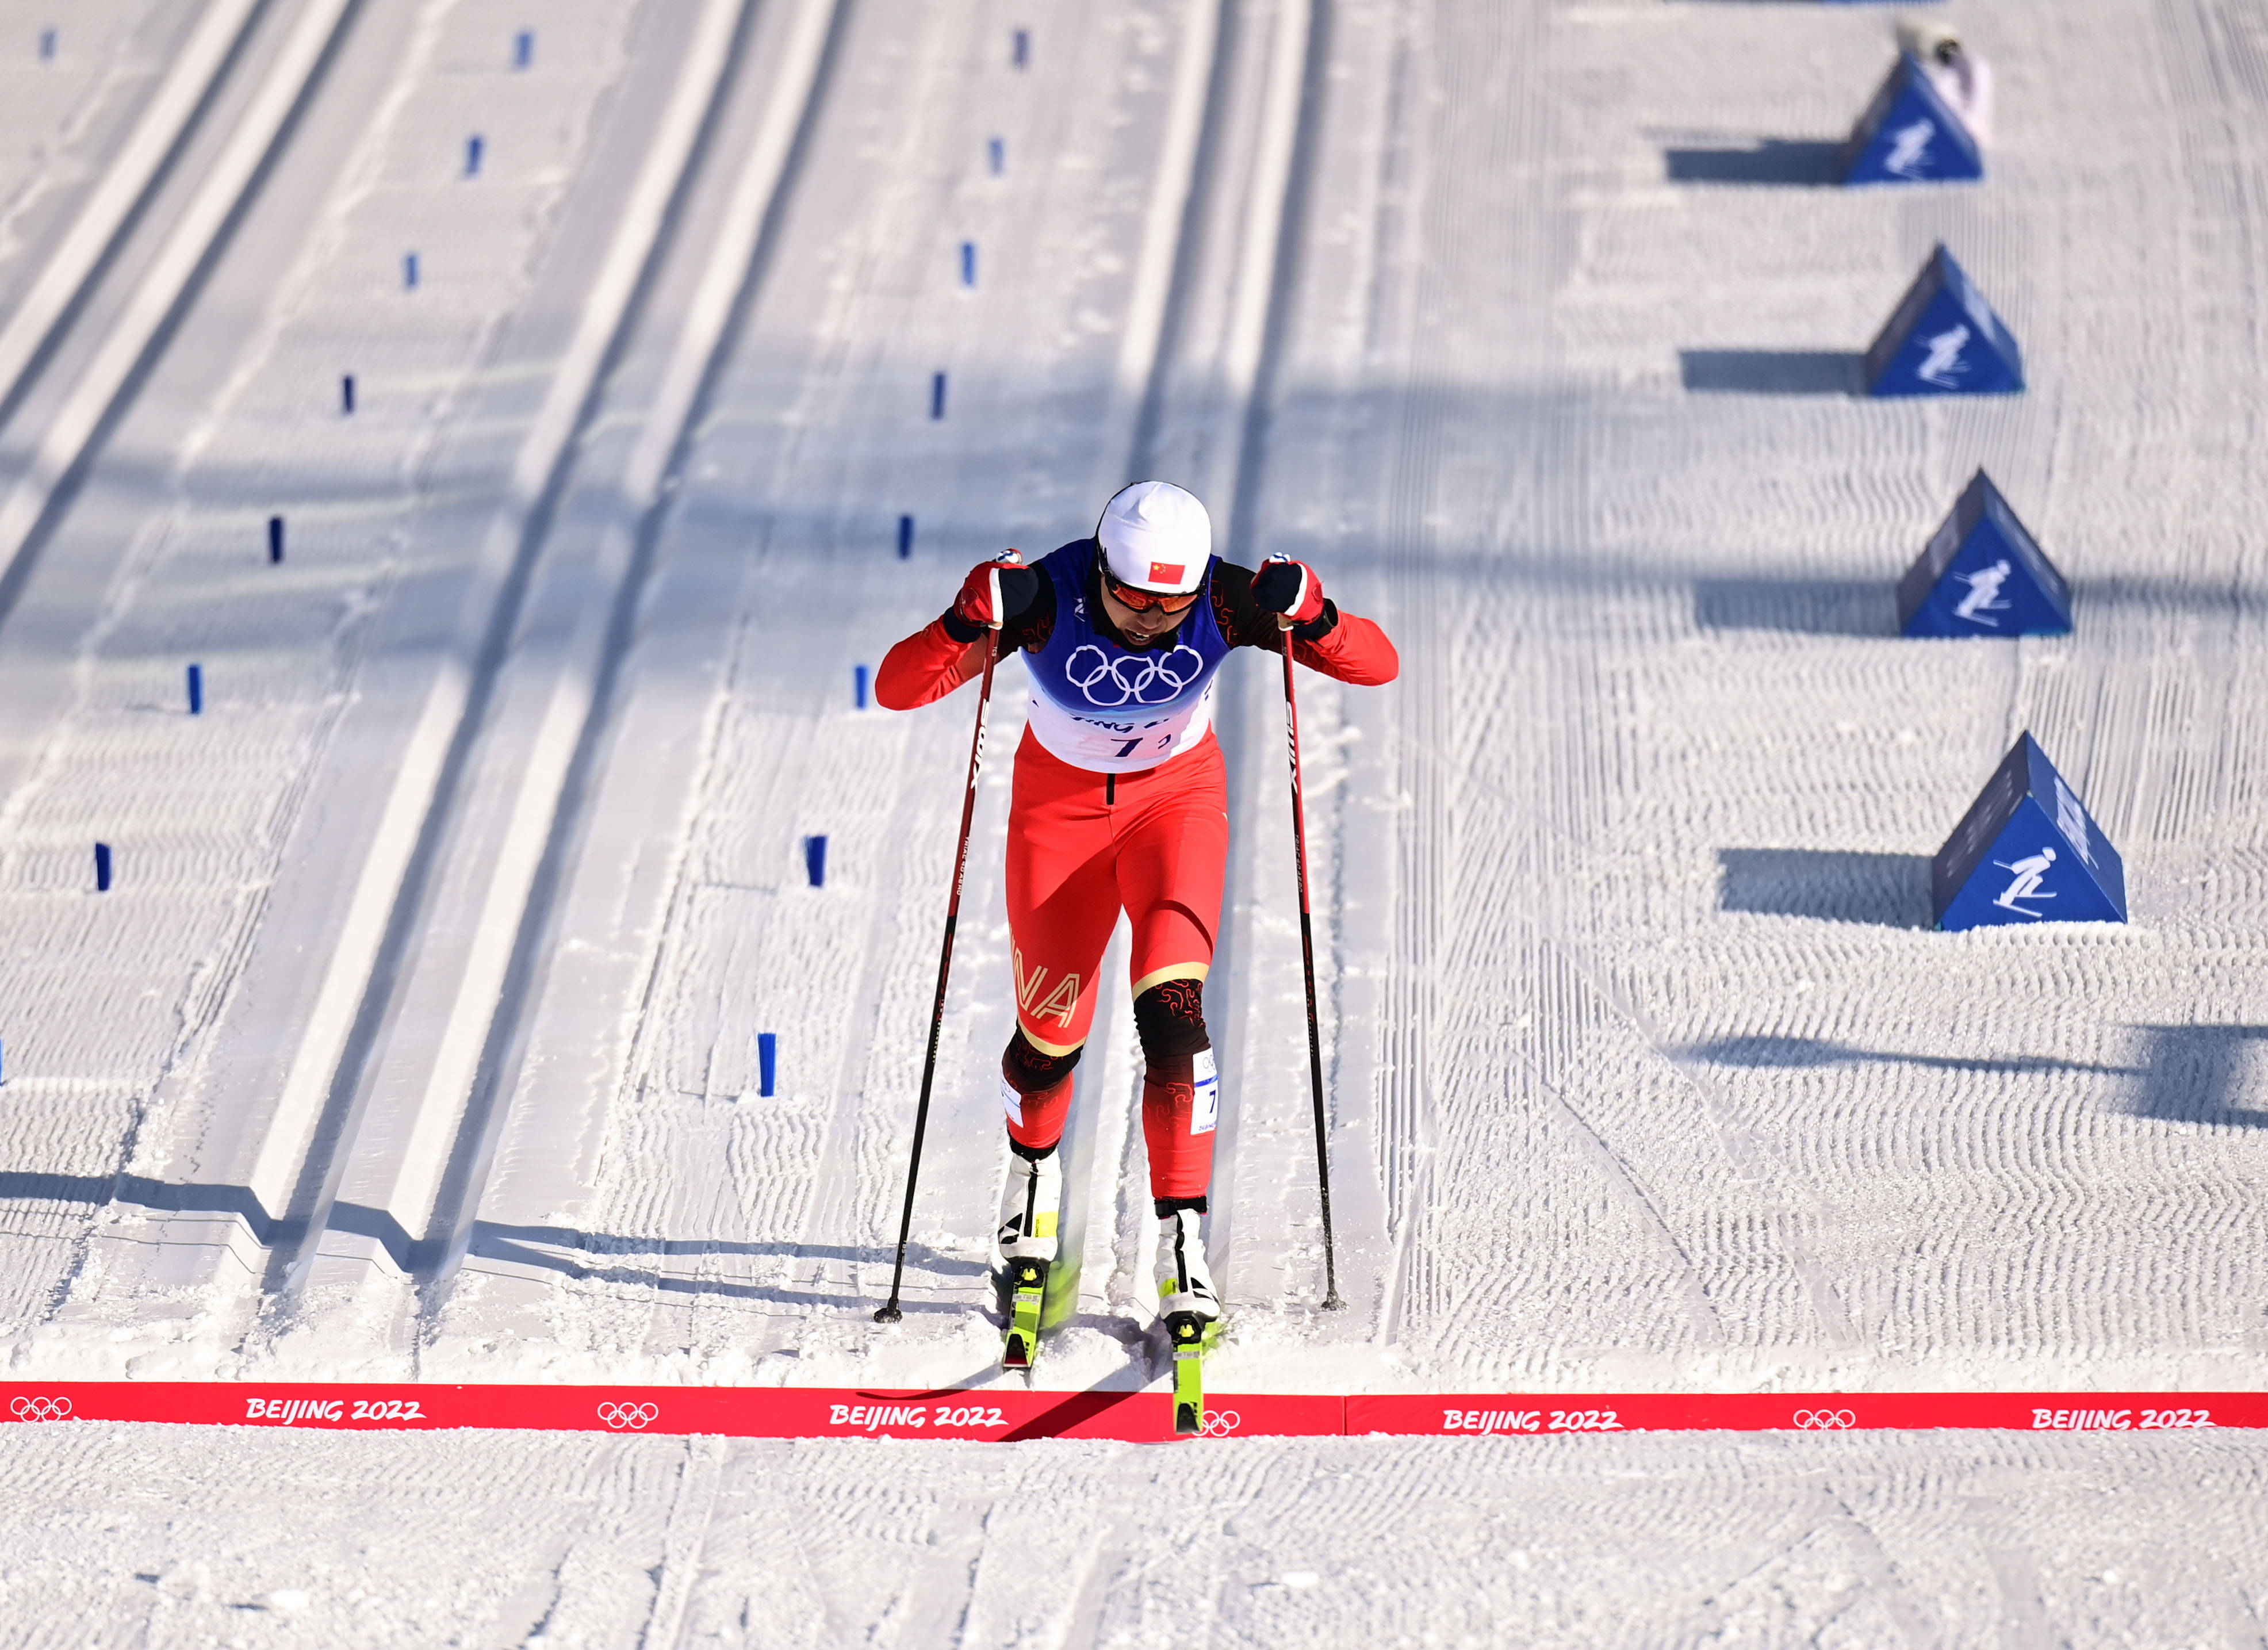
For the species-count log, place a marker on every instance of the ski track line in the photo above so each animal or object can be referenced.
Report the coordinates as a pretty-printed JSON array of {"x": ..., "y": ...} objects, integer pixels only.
[
  {"x": 847, "y": 1168},
  {"x": 164, "y": 287},
  {"x": 535, "y": 476},
  {"x": 214, "y": 582},
  {"x": 787, "y": 1199},
  {"x": 1150, "y": 316},
  {"x": 158, "y": 137},
  {"x": 1204, "y": 398},
  {"x": 507, "y": 918}
]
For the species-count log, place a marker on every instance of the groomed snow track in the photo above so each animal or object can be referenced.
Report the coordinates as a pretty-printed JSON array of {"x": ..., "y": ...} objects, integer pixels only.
[{"x": 416, "y": 1042}]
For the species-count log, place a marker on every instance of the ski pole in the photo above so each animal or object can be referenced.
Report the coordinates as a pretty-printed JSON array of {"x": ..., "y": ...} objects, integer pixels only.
[
  {"x": 890, "y": 1314},
  {"x": 1331, "y": 1301}
]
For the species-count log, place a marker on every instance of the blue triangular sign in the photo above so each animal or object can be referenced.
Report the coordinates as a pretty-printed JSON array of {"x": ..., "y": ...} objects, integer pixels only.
[
  {"x": 1943, "y": 339},
  {"x": 1983, "y": 574},
  {"x": 1910, "y": 134},
  {"x": 2027, "y": 852}
]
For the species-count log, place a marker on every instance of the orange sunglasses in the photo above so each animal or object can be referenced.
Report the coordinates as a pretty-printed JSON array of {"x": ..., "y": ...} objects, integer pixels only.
[{"x": 1143, "y": 600}]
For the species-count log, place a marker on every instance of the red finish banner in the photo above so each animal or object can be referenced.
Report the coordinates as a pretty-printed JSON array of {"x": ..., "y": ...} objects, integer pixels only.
[
  {"x": 1001, "y": 1414},
  {"x": 1464, "y": 1415},
  {"x": 987, "y": 1413}
]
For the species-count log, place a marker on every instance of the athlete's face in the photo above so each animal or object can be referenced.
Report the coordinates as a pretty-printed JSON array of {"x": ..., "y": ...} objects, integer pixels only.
[{"x": 1143, "y": 627}]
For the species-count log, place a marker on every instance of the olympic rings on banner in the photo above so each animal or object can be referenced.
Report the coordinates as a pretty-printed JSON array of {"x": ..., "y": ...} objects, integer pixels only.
[
  {"x": 1826, "y": 1420},
  {"x": 636, "y": 1417},
  {"x": 1221, "y": 1422},
  {"x": 1107, "y": 681},
  {"x": 41, "y": 1409}
]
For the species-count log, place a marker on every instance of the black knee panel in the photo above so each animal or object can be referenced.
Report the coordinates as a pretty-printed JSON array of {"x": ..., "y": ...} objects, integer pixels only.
[
  {"x": 1027, "y": 1071},
  {"x": 1170, "y": 1017}
]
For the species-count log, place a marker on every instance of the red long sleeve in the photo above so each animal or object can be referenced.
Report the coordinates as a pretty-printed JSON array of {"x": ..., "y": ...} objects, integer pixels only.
[
  {"x": 1356, "y": 650},
  {"x": 925, "y": 668}
]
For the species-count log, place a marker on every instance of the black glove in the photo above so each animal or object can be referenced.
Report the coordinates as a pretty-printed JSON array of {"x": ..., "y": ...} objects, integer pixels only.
[
  {"x": 994, "y": 593},
  {"x": 1293, "y": 592}
]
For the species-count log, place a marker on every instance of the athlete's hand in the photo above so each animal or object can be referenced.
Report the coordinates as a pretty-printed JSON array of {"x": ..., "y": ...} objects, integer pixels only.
[
  {"x": 1292, "y": 591},
  {"x": 995, "y": 592}
]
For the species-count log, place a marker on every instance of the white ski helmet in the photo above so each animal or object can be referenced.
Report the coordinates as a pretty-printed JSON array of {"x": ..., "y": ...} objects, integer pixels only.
[{"x": 1155, "y": 536}]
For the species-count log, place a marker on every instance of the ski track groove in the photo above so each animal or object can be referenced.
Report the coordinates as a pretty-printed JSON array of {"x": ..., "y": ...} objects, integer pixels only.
[{"x": 277, "y": 690}]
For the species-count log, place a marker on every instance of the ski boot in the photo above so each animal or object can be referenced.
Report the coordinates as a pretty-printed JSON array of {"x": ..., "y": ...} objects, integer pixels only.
[
  {"x": 1190, "y": 1309},
  {"x": 1028, "y": 1211}
]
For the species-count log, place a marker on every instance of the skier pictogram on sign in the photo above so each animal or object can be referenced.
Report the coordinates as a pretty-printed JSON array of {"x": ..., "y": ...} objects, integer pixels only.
[
  {"x": 1982, "y": 574},
  {"x": 2026, "y": 852},
  {"x": 1910, "y": 134},
  {"x": 1944, "y": 339}
]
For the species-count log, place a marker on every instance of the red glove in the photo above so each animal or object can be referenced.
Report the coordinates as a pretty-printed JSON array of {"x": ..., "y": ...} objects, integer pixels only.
[
  {"x": 1292, "y": 591},
  {"x": 995, "y": 592}
]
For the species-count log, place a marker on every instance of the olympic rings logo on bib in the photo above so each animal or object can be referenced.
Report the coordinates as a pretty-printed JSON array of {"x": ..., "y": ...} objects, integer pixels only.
[{"x": 1133, "y": 679}]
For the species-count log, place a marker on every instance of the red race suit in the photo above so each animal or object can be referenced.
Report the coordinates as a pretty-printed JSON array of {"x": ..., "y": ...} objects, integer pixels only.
[{"x": 1099, "y": 823}]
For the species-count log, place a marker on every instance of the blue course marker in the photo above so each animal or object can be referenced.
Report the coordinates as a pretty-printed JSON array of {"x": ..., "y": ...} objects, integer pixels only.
[
  {"x": 857, "y": 686},
  {"x": 905, "y": 537},
  {"x": 409, "y": 270},
  {"x": 3, "y": 1062},
  {"x": 2027, "y": 852},
  {"x": 814, "y": 860},
  {"x": 476, "y": 146},
  {"x": 1983, "y": 573},
  {"x": 1020, "y": 48},
  {"x": 767, "y": 1063},
  {"x": 1910, "y": 134},
  {"x": 937, "y": 395},
  {"x": 523, "y": 48},
  {"x": 102, "y": 867},
  {"x": 969, "y": 264},
  {"x": 346, "y": 393},
  {"x": 1944, "y": 339},
  {"x": 47, "y": 45},
  {"x": 996, "y": 151},
  {"x": 275, "y": 538},
  {"x": 197, "y": 690}
]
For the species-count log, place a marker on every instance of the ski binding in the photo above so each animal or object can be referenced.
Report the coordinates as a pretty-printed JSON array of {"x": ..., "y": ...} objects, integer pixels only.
[
  {"x": 1186, "y": 1332},
  {"x": 1027, "y": 1282}
]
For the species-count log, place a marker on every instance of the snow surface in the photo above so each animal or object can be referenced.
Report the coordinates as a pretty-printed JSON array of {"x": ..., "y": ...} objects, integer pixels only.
[{"x": 417, "y": 1038}]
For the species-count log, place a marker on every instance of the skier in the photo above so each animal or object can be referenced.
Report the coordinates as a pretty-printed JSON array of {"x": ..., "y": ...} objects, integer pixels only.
[{"x": 1120, "y": 801}]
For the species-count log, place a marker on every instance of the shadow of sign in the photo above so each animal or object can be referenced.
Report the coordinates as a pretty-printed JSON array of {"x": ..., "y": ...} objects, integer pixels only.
[
  {"x": 1772, "y": 371},
  {"x": 1784, "y": 161},
  {"x": 1803, "y": 1054},
  {"x": 1887, "y": 890},
  {"x": 2197, "y": 1074},
  {"x": 1805, "y": 607}
]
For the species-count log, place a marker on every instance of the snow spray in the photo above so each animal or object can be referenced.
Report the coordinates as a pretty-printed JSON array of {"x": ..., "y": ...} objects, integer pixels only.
[
  {"x": 197, "y": 690},
  {"x": 814, "y": 860},
  {"x": 767, "y": 1063},
  {"x": 102, "y": 867},
  {"x": 275, "y": 538},
  {"x": 905, "y": 537}
]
